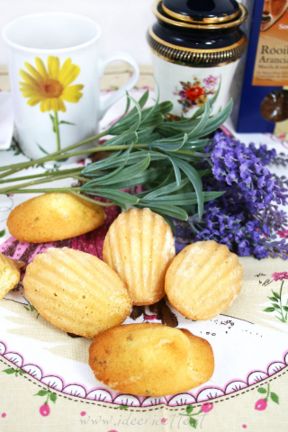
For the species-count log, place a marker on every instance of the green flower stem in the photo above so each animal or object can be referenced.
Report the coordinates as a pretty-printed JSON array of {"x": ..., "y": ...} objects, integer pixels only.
[
  {"x": 13, "y": 189},
  {"x": 41, "y": 174},
  {"x": 51, "y": 157},
  {"x": 60, "y": 156},
  {"x": 67, "y": 189},
  {"x": 56, "y": 130},
  {"x": 91, "y": 200}
]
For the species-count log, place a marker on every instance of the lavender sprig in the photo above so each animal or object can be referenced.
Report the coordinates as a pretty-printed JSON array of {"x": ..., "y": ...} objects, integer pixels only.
[{"x": 247, "y": 217}]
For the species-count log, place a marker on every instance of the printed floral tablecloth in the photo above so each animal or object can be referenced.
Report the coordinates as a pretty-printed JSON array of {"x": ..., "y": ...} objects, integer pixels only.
[{"x": 46, "y": 384}]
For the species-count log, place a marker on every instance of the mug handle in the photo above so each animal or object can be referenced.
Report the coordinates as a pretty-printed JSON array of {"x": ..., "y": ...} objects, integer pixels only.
[{"x": 110, "y": 100}]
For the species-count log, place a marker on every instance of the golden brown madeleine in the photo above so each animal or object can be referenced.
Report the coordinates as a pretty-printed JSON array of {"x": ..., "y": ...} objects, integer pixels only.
[
  {"x": 76, "y": 292},
  {"x": 139, "y": 246},
  {"x": 201, "y": 360},
  {"x": 150, "y": 359},
  {"x": 203, "y": 280},
  {"x": 52, "y": 217},
  {"x": 9, "y": 275}
]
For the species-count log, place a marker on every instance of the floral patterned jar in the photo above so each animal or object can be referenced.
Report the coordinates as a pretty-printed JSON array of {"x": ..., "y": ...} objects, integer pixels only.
[{"x": 196, "y": 47}]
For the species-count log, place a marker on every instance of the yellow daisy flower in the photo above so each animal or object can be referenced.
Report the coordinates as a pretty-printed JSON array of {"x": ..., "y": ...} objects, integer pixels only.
[{"x": 50, "y": 86}]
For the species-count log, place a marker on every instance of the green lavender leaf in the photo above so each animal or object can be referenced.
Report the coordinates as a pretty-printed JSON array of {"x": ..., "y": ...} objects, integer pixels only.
[
  {"x": 170, "y": 144},
  {"x": 195, "y": 180},
  {"x": 167, "y": 210},
  {"x": 171, "y": 187},
  {"x": 213, "y": 99},
  {"x": 176, "y": 170},
  {"x": 218, "y": 119},
  {"x": 200, "y": 129},
  {"x": 196, "y": 143},
  {"x": 186, "y": 198},
  {"x": 128, "y": 121},
  {"x": 169, "y": 128},
  {"x": 120, "y": 174},
  {"x": 118, "y": 197},
  {"x": 125, "y": 138}
]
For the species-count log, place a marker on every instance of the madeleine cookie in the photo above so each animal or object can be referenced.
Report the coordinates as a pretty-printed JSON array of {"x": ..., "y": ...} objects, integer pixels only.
[
  {"x": 139, "y": 246},
  {"x": 54, "y": 216},
  {"x": 76, "y": 292},
  {"x": 203, "y": 280},
  {"x": 150, "y": 359},
  {"x": 9, "y": 275}
]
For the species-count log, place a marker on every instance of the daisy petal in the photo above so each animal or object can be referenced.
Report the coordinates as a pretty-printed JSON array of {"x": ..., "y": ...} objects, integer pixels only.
[
  {"x": 61, "y": 105},
  {"x": 27, "y": 78},
  {"x": 34, "y": 72},
  {"x": 53, "y": 67},
  {"x": 41, "y": 67},
  {"x": 74, "y": 72},
  {"x": 45, "y": 105},
  {"x": 64, "y": 71},
  {"x": 69, "y": 72},
  {"x": 72, "y": 93},
  {"x": 54, "y": 105},
  {"x": 33, "y": 101}
]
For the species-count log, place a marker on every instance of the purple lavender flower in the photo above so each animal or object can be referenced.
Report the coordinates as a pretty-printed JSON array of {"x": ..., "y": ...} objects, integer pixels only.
[
  {"x": 247, "y": 217},
  {"x": 238, "y": 166},
  {"x": 266, "y": 156},
  {"x": 241, "y": 234}
]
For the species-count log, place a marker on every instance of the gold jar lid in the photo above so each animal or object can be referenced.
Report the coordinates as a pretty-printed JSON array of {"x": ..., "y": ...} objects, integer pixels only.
[{"x": 168, "y": 16}]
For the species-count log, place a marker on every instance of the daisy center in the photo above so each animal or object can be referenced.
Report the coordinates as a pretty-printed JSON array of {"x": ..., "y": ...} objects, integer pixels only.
[{"x": 51, "y": 88}]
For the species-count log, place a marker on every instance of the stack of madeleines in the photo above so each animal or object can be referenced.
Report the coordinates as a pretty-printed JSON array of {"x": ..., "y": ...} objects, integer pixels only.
[{"x": 81, "y": 294}]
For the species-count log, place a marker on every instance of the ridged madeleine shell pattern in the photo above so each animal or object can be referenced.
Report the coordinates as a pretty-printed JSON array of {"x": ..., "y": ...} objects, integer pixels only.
[
  {"x": 150, "y": 359},
  {"x": 9, "y": 275},
  {"x": 203, "y": 280},
  {"x": 139, "y": 247},
  {"x": 76, "y": 292}
]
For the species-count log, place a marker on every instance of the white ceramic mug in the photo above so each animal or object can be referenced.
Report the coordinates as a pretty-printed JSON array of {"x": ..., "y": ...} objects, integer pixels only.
[{"x": 55, "y": 68}]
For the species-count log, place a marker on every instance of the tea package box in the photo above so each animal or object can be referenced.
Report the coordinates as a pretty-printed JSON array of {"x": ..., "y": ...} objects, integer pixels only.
[{"x": 264, "y": 98}]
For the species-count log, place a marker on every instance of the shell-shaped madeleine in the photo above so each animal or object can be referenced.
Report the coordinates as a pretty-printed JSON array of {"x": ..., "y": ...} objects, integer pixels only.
[
  {"x": 150, "y": 359},
  {"x": 54, "y": 216},
  {"x": 9, "y": 275},
  {"x": 139, "y": 246},
  {"x": 76, "y": 292},
  {"x": 203, "y": 280}
]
